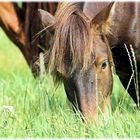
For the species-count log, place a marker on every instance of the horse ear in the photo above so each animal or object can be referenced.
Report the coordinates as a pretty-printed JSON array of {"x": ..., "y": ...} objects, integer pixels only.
[
  {"x": 102, "y": 15},
  {"x": 46, "y": 18},
  {"x": 91, "y": 9}
]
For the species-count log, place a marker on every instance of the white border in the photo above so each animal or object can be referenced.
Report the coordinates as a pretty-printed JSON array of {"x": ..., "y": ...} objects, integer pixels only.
[{"x": 69, "y": 0}]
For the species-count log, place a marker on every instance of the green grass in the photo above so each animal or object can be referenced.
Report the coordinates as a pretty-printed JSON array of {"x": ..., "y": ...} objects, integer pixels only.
[{"x": 42, "y": 111}]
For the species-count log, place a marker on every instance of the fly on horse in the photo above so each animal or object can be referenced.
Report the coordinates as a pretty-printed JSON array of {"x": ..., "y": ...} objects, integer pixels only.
[
  {"x": 125, "y": 31},
  {"x": 80, "y": 57}
]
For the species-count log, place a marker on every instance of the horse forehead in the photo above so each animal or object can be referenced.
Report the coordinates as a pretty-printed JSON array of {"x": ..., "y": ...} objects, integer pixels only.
[
  {"x": 101, "y": 49},
  {"x": 98, "y": 44}
]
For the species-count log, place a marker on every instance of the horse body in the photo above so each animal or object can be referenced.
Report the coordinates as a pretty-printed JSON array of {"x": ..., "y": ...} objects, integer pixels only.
[
  {"x": 11, "y": 24},
  {"x": 126, "y": 30},
  {"x": 21, "y": 26}
]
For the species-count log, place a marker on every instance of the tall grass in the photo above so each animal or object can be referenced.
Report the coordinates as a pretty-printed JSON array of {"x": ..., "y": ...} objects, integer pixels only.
[{"x": 30, "y": 108}]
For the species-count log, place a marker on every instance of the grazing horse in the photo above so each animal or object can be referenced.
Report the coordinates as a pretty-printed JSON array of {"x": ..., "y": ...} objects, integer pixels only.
[
  {"x": 12, "y": 26},
  {"x": 32, "y": 25},
  {"x": 80, "y": 57},
  {"x": 22, "y": 24},
  {"x": 125, "y": 31}
]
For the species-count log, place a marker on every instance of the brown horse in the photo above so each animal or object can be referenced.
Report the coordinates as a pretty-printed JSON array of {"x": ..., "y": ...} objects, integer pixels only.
[
  {"x": 13, "y": 27},
  {"x": 32, "y": 25},
  {"x": 124, "y": 30},
  {"x": 22, "y": 24},
  {"x": 81, "y": 58}
]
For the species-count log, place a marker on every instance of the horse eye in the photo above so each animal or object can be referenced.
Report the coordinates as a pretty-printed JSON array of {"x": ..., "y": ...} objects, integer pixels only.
[{"x": 104, "y": 64}]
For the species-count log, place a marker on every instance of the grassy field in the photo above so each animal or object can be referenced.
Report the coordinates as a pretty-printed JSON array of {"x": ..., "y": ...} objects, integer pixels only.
[{"x": 30, "y": 108}]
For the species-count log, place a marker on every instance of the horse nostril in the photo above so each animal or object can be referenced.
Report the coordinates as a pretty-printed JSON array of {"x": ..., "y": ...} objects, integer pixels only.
[{"x": 92, "y": 82}]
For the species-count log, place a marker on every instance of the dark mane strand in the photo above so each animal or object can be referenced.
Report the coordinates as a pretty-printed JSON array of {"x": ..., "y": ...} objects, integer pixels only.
[{"x": 72, "y": 35}]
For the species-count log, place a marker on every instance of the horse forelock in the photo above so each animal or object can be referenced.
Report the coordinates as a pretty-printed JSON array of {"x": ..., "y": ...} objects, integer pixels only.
[{"x": 72, "y": 38}]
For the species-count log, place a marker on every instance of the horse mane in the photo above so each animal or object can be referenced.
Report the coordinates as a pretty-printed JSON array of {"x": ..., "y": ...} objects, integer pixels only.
[{"x": 71, "y": 46}]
